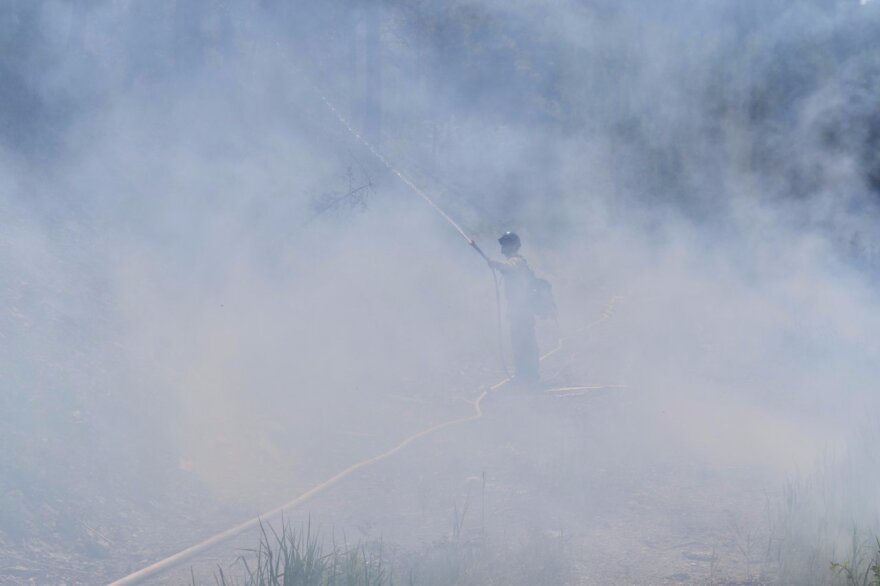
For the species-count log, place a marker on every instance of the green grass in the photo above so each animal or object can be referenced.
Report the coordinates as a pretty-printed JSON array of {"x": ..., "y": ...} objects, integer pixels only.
[
  {"x": 831, "y": 514},
  {"x": 301, "y": 557},
  {"x": 863, "y": 566},
  {"x": 292, "y": 557}
]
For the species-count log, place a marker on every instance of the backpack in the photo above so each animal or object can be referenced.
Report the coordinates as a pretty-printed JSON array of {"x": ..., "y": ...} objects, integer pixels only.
[{"x": 543, "y": 304}]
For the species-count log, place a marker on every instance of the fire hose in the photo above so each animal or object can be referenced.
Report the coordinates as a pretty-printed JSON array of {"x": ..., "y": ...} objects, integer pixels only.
[{"x": 191, "y": 552}]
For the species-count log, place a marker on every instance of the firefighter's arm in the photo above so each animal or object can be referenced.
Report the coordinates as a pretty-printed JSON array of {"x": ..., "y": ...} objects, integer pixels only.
[{"x": 481, "y": 253}]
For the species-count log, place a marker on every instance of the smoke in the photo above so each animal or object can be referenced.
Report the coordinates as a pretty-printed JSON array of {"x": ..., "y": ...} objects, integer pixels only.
[{"x": 205, "y": 274}]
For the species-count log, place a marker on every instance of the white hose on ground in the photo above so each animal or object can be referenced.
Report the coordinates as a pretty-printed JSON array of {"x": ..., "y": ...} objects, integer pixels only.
[{"x": 189, "y": 553}]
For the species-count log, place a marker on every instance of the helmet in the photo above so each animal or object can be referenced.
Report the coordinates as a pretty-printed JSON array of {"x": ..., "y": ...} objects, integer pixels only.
[{"x": 510, "y": 241}]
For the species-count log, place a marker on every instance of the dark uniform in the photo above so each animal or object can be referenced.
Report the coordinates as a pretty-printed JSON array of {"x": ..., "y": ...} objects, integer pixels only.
[{"x": 518, "y": 284}]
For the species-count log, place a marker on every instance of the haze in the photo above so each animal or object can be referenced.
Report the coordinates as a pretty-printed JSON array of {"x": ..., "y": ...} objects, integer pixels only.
[{"x": 214, "y": 296}]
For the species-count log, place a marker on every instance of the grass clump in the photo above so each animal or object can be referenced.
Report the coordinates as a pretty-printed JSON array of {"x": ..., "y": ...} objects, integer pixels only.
[
  {"x": 291, "y": 557},
  {"x": 301, "y": 558},
  {"x": 830, "y": 514},
  {"x": 863, "y": 567}
]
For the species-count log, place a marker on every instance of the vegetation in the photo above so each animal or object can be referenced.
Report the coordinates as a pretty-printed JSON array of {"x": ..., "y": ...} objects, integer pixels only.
[
  {"x": 825, "y": 525},
  {"x": 863, "y": 567},
  {"x": 300, "y": 557}
]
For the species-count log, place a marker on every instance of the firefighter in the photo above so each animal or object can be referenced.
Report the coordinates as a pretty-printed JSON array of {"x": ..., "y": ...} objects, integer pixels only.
[{"x": 518, "y": 286}]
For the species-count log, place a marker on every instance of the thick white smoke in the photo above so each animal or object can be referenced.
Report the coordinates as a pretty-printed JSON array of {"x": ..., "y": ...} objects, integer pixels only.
[{"x": 204, "y": 276}]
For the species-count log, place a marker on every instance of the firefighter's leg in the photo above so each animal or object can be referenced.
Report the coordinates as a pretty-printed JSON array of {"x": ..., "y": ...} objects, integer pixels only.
[{"x": 525, "y": 349}]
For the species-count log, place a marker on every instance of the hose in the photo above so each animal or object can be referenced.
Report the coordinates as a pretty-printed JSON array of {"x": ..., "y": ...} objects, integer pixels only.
[
  {"x": 170, "y": 562},
  {"x": 191, "y": 552}
]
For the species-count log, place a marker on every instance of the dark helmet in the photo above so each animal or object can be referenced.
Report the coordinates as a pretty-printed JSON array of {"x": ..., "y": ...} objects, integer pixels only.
[{"x": 509, "y": 240}]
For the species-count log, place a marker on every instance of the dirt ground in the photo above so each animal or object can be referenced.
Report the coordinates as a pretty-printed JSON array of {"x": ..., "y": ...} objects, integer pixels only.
[
  {"x": 670, "y": 522},
  {"x": 588, "y": 470}
]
